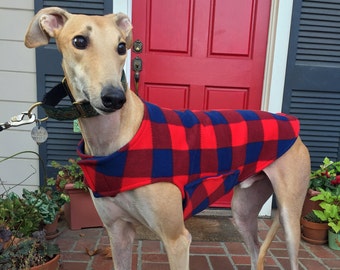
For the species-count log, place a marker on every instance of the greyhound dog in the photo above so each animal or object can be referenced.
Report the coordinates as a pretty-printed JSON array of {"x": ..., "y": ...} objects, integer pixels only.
[{"x": 94, "y": 49}]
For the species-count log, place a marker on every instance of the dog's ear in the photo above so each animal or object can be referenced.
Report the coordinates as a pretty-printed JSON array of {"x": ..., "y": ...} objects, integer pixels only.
[
  {"x": 44, "y": 25},
  {"x": 124, "y": 24}
]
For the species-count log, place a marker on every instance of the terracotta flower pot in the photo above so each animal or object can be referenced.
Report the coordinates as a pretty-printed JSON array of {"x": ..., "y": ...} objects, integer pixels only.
[
  {"x": 80, "y": 212},
  {"x": 52, "y": 229},
  {"x": 314, "y": 233},
  {"x": 50, "y": 265}
]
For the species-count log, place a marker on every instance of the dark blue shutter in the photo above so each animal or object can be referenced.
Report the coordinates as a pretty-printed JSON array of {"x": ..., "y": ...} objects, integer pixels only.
[
  {"x": 312, "y": 86},
  {"x": 62, "y": 141}
]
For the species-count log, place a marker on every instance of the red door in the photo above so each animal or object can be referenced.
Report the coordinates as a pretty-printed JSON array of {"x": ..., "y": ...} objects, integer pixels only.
[{"x": 202, "y": 54}]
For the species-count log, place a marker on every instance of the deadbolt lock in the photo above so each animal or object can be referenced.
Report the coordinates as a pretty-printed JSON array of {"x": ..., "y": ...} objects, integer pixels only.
[{"x": 137, "y": 46}]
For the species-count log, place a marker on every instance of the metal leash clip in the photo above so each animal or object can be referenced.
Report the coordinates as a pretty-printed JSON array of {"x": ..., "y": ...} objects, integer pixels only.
[
  {"x": 19, "y": 120},
  {"x": 39, "y": 134},
  {"x": 24, "y": 118}
]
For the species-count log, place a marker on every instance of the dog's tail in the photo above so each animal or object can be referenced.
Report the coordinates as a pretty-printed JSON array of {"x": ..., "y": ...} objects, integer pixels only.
[{"x": 267, "y": 241}]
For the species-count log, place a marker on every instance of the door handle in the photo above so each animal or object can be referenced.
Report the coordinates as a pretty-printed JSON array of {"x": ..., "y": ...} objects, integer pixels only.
[{"x": 137, "y": 66}]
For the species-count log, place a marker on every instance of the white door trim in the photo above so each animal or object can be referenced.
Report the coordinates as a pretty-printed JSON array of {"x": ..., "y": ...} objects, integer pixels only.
[
  {"x": 276, "y": 62},
  {"x": 125, "y": 7}
]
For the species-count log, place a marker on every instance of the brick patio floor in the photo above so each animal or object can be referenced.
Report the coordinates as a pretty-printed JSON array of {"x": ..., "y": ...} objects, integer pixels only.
[{"x": 150, "y": 255}]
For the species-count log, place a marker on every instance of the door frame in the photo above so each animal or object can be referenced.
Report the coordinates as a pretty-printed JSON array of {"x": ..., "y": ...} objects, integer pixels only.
[{"x": 276, "y": 59}]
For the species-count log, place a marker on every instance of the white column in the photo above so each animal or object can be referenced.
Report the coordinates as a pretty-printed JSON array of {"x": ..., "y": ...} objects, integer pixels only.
[{"x": 276, "y": 62}]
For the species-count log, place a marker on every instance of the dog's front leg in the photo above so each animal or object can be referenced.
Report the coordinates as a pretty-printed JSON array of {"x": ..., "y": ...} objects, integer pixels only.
[
  {"x": 161, "y": 208},
  {"x": 120, "y": 228},
  {"x": 121, "y": 234}
]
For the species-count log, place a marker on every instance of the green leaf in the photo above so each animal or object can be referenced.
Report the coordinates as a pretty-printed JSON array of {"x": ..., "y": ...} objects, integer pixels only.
[
  {"x": 321, "y": 215},
  {"x": 335, "y": 226}
]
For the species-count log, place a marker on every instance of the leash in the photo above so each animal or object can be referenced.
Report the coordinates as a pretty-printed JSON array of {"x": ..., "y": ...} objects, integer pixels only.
[{"x": 49, "y": 104}]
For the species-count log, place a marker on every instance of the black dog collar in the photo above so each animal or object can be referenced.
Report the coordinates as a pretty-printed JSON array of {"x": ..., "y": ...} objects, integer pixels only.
[{"x": 72, "y": 112}]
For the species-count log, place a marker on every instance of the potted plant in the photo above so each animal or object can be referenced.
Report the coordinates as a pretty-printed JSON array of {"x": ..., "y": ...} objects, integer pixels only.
[
  {"x": 28, "y": 252},
  {"x": 79, "y": 210},
  {"x": 22, "y": 219},
  {"x": 48, "y": 204},
  {"x": 313, "y": 229},
  {"x": 330, "y": 213},
  {"x": 22, "y": 245},
  {"x": 22, "y": 240},
  {"x": 327, "y": 177},
  {"x": 69, "y": 173}
]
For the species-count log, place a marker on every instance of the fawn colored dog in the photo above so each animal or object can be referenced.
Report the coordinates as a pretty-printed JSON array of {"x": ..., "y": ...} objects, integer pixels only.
[{"x": 94, "y": 50}]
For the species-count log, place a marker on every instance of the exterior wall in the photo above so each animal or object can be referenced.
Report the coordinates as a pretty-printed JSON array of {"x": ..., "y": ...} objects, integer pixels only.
[{"x": 18, "y": 92}]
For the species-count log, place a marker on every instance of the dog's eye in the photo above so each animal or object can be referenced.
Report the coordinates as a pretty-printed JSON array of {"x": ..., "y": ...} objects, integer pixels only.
[
  {"x": 80, "y": 42},
  {"x": 121, "y": 49}
]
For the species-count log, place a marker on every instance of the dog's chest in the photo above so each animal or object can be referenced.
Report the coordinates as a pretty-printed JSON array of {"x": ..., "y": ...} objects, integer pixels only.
[{"x": 205, "y": 154}]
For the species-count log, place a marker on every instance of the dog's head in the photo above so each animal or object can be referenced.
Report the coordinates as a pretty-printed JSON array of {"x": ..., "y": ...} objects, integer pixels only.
[{"x": 94, "y": 50}]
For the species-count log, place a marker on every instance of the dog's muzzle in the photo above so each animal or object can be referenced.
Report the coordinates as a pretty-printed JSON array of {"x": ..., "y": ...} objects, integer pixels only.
[{"x": 113, "y": 98}]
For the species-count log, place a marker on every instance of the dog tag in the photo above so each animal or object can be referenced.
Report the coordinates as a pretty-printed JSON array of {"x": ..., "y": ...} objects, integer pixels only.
[{"x": 39, "y": 134}]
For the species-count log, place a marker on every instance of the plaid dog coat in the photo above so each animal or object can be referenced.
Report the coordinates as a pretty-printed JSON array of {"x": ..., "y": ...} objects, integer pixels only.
[{"x": 204, "y": 153}]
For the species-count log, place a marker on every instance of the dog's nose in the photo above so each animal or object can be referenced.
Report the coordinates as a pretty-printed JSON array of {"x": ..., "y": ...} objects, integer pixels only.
[{"x": 113, "y": 98}]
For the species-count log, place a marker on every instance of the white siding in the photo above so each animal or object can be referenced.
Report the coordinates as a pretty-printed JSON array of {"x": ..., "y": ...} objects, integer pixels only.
[{"x": 18, "y": 92}]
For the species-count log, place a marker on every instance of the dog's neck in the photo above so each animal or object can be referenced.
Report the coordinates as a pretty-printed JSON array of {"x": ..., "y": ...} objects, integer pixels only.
[{"x": 105, "y": 134}]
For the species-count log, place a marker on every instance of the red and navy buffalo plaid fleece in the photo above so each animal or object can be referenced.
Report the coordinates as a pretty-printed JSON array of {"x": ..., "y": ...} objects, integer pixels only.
[{"x": 204, "y": 153}]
